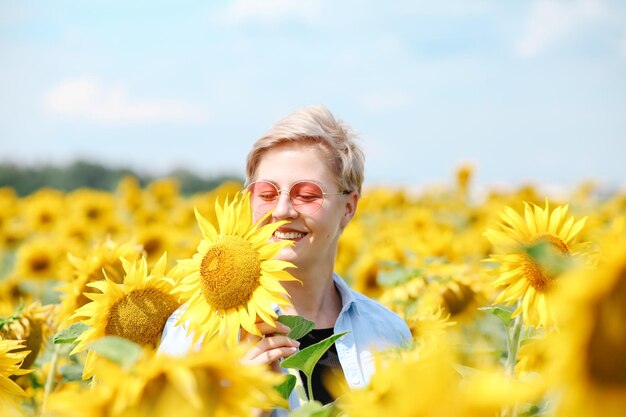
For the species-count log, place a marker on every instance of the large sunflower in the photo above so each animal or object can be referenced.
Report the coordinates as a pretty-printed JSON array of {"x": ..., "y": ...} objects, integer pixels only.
[
  {"x": 104, "y": 259},
  {"x": 588, "y": 353},
  {"x": 232, "y": 278},
  {"x": 523, "y": 277},
  {"x": 445, "y": 389},
  {"x": 136, "y": 310},
  {"x": 209, "y": 382},
  {"x": 391, "y": 392}
]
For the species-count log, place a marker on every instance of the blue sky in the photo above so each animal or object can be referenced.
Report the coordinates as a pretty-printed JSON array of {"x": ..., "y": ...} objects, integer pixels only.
[{"x": 526, "y": 91}]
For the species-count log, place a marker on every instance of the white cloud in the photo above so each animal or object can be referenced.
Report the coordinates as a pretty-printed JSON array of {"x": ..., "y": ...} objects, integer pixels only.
[
  {"x": 553, "y": 20},
  {"x": 272, "y": 11},
  {"x": 88, "y": 99}
]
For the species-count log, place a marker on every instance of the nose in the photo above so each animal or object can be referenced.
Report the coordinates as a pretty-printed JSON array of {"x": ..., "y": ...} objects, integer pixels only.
[{"x": 284, "y": 209}]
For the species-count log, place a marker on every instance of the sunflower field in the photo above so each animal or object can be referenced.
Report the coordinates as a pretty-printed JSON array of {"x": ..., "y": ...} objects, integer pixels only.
[{"x": 516, "y": 302}]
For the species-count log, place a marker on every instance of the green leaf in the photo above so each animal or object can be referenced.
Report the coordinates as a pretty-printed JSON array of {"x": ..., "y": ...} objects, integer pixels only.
[
  {"x": 314, "y": 409},
  {"x": 306, "y": 359},
  {"x": 70, "y": 334},
  {"x": 71, "y": 373},
  {"x": 117, "y": 349},
  {"x": 299, "y": 325},
  {"x": 501, "y": 313},
  {"x": 285, "y": 388},
  {"x": 549, "y": 258}
]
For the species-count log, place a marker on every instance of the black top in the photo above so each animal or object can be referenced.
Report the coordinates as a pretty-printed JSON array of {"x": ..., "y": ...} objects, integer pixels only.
[{"x": 328, "y": 363}]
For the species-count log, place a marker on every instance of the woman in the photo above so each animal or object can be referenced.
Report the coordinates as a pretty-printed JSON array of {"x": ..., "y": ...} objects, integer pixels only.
[{"x": 307, "y": 169}]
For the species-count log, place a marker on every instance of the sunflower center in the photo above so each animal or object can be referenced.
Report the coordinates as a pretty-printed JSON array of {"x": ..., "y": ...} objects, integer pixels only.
[
  {"x": 607, "y": 344},
  {"x": 93, "y": 213},
  {"x": 140, "y": 315},
  {"x": 230, "y": 273},
  {"x": 153, "y": 246},
  {"x": 456, "y": 301},
  {"x": 46, "y": 218},
  {"x": 542, "y": 274},
  {"x": 535, "y": 275},
  {"x": 39, "y": 263}
]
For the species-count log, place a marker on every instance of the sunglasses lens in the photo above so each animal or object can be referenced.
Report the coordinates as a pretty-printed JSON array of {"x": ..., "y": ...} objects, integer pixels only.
[
  {"x": 263, "y": 195},
  {"x": 306, "y": 197}
]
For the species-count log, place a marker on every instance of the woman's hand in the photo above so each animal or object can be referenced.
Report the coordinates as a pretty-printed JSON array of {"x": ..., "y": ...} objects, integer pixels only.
[{"x": 268, "y": 349}]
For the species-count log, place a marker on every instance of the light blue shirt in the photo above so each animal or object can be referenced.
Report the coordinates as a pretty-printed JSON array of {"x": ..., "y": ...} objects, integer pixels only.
[{"x": 371, "y": 328}]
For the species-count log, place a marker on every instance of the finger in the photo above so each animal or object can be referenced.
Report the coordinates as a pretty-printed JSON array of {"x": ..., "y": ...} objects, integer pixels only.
[
  {"x": 269, "y": 343},
  {"x": 271, "y": 356}
]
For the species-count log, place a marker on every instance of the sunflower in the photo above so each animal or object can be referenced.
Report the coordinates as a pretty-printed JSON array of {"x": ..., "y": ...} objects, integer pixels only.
[
  {"x": 458, "y": 289},
  {"x": 43, "y": 209},
  {"x": 426, "y": 325},
  {"x": 232, "y": 278},
  {"x": 391, "y": 391},
  {"x": 33, "y": 325},
  {"x": 523, "y": 277},
  {"x": 136, "y": 310},
  {"x": 402, "y": 297},
  {"x": 69, "y": 401},
  {"x": 13, "y": 295},
  {"x": 12, "y": 355},
  {"x": 445, "y": 388},
  {"x": 588, "y": 353},
  {"x": 129, "y": 192},
  {"x": 39, "y": 258},
  {"x": 165, "y": 192},
  {"x": 209, "y": 382},
  {"x": 384, "y": 254},
  {"x": 8, "y": 210},
  {"x": 205, "y": 202},
  {"x": 104, "y": 259},
  {"x": 96, "y": 209},
  {"x": 156, "y": 238}
]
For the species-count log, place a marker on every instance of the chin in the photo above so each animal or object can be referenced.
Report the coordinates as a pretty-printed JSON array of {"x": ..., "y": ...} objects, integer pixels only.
[{"x": 287, "y": 254}]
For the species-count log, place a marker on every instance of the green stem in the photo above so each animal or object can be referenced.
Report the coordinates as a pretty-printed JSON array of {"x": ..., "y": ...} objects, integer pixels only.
[
  {"x": 310, "y": 390},
  {"x": 513, "y": 343},
  {"x": 50, "y": 378},
  {"x": 299, "y": 388}
]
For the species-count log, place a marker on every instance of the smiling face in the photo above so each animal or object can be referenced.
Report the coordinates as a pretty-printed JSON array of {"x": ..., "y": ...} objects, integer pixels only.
[{"x": 316, "y": 234}]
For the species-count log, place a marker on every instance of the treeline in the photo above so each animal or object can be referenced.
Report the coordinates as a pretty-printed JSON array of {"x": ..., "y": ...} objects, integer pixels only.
[{"x": 79, "y": 174}]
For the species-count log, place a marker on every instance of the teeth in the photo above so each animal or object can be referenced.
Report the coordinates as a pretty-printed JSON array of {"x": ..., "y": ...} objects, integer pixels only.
[{"x": 288, "y": 235}]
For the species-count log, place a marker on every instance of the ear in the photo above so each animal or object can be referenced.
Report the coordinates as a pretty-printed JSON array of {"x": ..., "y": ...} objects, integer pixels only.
[{"x": 350, "y": 209}]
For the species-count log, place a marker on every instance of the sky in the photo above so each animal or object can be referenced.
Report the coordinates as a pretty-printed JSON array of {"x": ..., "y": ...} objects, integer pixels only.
[{"x": 524, "y": 91}]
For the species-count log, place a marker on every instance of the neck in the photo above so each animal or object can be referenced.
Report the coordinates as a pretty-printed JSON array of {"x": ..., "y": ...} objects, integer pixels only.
[{"x": 316, "y": 299}]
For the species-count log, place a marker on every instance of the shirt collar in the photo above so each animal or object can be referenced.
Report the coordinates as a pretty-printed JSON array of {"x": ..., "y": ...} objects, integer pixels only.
[{"x": 347, "y": 295}]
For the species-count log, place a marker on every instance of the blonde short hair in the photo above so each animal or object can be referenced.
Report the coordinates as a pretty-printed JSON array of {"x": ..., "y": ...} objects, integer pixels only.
[{"x": 315, "y": 125}]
